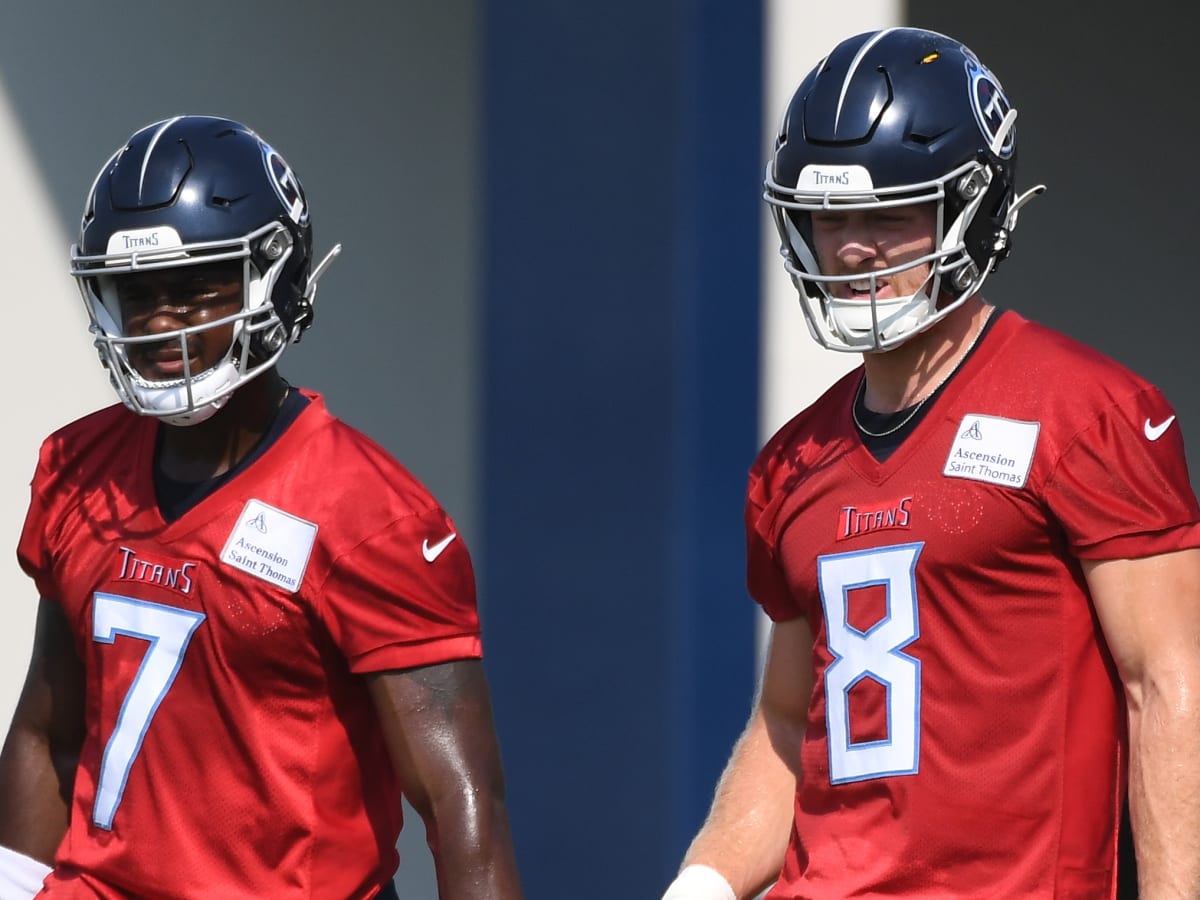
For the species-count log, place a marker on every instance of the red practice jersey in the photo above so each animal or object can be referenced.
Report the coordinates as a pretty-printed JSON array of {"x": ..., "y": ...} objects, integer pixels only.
[
  {"x": 231, "y": 748},
  {"x": 965, "y": 736}
]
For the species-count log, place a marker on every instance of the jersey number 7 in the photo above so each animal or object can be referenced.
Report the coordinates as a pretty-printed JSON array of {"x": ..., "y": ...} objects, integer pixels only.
[{"x": 168, "y": 631}]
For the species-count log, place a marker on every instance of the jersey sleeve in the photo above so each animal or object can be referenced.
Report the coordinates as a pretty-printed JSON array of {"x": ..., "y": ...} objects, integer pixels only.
[
  {"x": 404, "y": 597},
  {"x": 764, "y": 577},
  {"x": 33, "y": 550},
  {"x": 1121, "y": 486}
]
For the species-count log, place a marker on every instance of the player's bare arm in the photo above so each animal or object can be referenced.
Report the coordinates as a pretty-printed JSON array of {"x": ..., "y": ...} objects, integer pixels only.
[
  {"x": 438, "y": 724},
  {"x": 747, "y": 830},
  {"x": 1149, "y": 610},
  {"x": 37, "y": 766}
]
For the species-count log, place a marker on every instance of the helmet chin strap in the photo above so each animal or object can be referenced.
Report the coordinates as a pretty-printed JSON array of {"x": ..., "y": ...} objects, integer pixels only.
[
  {"x": 196, "y": 416},
  {"x": 869, "y": 325},
  {"x": 160, "y": 400}
]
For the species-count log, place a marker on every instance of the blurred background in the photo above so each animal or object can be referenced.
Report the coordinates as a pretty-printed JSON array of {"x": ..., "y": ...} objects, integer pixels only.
[{"x": 560, "y": 304}]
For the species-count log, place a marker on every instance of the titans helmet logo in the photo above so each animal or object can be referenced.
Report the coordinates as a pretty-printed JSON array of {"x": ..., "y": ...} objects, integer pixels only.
[
  {"x": 990, "y": 105},
  {"x": 287, "y": 186}
]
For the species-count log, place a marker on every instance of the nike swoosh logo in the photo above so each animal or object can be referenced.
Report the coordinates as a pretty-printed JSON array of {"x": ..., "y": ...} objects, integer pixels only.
[
  {"x": 1154, "y": 432},
  {"x": 432, "y": 553}
]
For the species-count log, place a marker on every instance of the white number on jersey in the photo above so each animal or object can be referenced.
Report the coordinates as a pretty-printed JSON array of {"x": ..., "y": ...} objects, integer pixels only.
[
  {"x": 168, "y": 631},
  {"x": 876, "y": 654}
]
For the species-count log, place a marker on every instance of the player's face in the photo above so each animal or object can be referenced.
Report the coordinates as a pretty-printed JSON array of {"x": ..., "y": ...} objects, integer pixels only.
[
  {"x": 861, "y": 241},
  {"x": 159, "y": 301}
]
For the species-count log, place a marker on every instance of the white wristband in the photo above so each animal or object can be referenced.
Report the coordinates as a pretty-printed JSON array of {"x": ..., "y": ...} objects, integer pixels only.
[
  {"x": 697, "y": 882},
  {"x": 21, "y": 876}
]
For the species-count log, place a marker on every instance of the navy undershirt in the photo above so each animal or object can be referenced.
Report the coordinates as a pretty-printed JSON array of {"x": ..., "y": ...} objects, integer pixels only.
[
  {"x": 886, "y": 444},
  {"x": 176, "y": 497}
]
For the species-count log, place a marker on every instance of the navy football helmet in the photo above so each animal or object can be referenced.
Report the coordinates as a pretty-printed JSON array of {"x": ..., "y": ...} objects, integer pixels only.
[
  {"x": 187, "y": 191},
  {"x": 894, "y": 117}
]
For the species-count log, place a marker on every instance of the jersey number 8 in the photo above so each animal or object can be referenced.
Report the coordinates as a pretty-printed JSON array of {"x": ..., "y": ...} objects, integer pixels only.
[{"x": 873, "y": 653}]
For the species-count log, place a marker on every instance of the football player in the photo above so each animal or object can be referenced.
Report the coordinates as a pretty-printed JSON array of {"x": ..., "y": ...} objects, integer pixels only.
[
  {"x": 979, "y": 549},
  {"x": 256, "y": 629}
]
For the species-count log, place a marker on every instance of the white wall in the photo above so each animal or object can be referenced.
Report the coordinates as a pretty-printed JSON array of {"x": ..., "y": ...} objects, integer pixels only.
[{"x": 50, "y": 373}]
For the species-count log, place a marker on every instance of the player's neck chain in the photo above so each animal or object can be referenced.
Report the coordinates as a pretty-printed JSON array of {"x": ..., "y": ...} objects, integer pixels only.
[
  {"x": 916, "y": 407},
  {"x": 867, "y": 432}
]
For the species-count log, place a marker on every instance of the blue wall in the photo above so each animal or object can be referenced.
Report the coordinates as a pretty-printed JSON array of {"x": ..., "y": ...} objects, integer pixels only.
[{"x": 621, "y": 168}]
